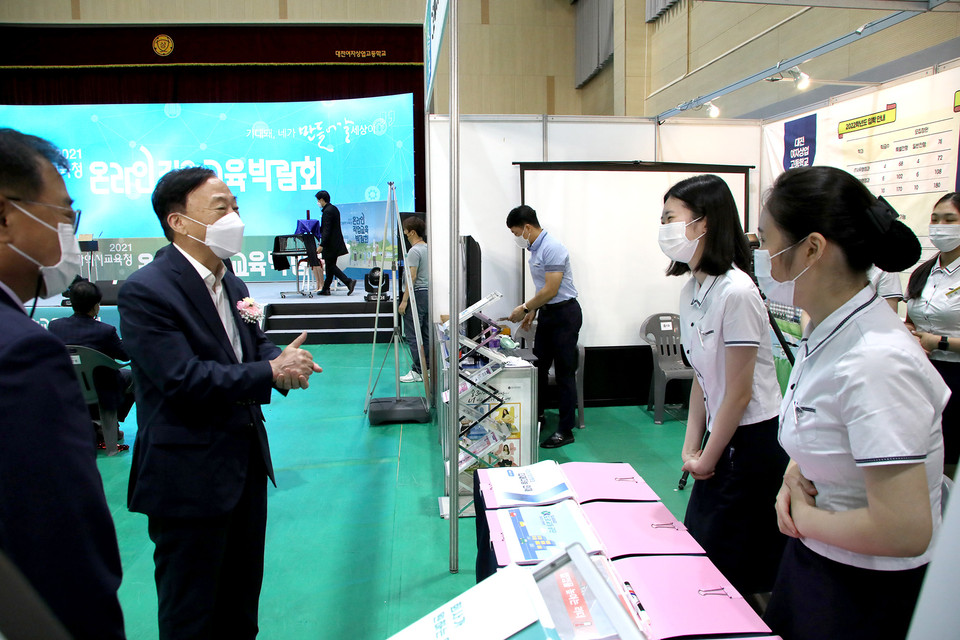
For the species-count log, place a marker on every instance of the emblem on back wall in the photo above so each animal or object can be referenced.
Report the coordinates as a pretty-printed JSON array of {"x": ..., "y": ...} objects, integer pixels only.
[{"x": 163, "y": 45}]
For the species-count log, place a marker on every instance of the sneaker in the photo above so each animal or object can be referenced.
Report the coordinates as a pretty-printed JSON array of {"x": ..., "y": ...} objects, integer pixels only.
[
  {"x": 411, "y": 376},
  {"x": 557, "y": 440}
]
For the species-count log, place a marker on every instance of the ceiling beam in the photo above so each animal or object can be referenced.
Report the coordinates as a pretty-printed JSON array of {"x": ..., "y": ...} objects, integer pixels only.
[
  {"x": 890, "y": 5},
  {"x": 854, "y": 36}
]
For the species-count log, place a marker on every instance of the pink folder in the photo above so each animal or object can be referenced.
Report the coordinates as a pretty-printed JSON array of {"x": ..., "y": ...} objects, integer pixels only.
[
  {"x": 588, "y": 481},
  {"x": 607, "y": 481},
  {"x": 687, "y": 596},
  {"x": 639, "y": 528}
]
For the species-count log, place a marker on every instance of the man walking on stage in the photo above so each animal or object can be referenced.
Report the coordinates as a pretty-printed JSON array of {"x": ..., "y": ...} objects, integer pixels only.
[{"x": 333, "y": 246}]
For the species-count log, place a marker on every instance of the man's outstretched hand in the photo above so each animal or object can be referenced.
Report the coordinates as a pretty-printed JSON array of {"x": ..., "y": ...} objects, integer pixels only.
[{"x": 293, "y": 367}]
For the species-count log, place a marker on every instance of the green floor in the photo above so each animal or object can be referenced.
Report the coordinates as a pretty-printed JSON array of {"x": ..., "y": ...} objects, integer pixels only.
[{"x": 355, "y": 545}]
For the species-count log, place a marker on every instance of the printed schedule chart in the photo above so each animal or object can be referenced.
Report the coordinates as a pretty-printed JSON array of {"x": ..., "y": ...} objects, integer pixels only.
[{"x": 912, "y": 160}]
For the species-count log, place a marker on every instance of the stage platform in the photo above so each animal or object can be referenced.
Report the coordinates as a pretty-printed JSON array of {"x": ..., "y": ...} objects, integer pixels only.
[{"x": 334, "y": 319}]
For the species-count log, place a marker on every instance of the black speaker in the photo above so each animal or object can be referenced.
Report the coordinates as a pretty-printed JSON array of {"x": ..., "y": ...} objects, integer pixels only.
[
  {"x": 109, "y": 289},
  {"x": 472, "y": 285}
]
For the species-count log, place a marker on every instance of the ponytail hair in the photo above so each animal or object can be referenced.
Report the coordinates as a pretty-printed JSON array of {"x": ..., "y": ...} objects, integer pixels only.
[
  {"x": 918, "y": 279},
  {"x": 833, "y": 203}
]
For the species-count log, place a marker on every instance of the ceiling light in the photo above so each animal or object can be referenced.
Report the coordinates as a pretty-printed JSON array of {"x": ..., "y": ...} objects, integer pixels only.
[
  {"x": 712, "y": 110},
  {"x": 800, "y": 79}
]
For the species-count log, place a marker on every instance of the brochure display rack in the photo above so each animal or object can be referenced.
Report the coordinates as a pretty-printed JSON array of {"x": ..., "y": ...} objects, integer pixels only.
[{"x": 497, "y": 403}]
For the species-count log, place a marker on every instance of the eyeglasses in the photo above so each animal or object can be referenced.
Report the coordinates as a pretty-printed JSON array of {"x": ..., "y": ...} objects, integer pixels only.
[{"x": 75, "y": 213}]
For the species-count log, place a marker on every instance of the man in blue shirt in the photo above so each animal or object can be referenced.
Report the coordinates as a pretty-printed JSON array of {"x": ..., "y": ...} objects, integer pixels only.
[{"x": 558, "y": 327}]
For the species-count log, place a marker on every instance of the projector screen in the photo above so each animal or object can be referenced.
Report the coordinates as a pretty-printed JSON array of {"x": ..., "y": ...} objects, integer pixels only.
[
  {"x": 608, "y": 217},
  {"x": 273, "y": 156}
]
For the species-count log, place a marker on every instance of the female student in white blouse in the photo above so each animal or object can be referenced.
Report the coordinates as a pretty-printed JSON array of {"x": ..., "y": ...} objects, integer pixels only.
[
  {"x": 860, "y": 416},
  {"x": 735, "y": 395},
  {"x": 933, "y": 314}
]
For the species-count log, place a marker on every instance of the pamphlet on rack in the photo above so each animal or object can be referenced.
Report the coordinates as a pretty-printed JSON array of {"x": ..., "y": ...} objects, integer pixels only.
[{"x": 532, "y": 534}]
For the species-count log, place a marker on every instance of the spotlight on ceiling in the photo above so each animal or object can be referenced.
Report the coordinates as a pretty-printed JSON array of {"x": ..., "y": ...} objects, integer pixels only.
[
  {"x": 712, "y": 110},
  {"x": 800, "y": 79}
]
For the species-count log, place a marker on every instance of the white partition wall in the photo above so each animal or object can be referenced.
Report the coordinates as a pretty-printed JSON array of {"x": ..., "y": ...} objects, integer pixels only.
[
  {"x": 610, "y": 212},
  {"x": 618, "y": 268},
  {"x": 717, "y": 142},
  {"x": 489, "y": 188},
  {"x": 575, "y": 139},
  {"x": 490, "y": 184}
]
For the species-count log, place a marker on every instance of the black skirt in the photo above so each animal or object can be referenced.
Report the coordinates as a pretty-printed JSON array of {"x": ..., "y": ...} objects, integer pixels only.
[
  {"x": 950, "y": 372},
  {"x": 732, "y": 514},
  {"x": 815, "y": 598}
]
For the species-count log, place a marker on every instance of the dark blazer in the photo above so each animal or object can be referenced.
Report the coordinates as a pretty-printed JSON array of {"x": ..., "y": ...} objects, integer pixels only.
[
  {"x": 331, "y": 235},
  {"x": 55, "y": 525},
  {"x": 82, "y": 330},
  {"x": 88, "y": 332},
  {"x": 198, "y": 409}
]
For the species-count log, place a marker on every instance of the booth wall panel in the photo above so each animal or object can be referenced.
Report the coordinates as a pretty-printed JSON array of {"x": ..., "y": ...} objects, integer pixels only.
[
  {"x": 604, "y": 140},
  {"x": 489, "y": 188},
  {"x": 718, "y": 142}
]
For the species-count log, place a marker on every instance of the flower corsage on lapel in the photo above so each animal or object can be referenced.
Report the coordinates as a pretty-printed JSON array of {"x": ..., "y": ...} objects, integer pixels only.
[{"x": 250, "y": 310}]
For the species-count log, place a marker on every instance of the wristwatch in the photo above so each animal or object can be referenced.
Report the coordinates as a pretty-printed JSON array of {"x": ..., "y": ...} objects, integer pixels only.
[
  {"x": 525, "y": 310},
  {"x": 944, "y": 344}
]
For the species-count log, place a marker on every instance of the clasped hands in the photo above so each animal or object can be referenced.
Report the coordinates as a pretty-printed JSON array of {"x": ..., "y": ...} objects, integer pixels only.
[
  {"x": 928, "y": 341},
  {"x": 293, "y": 367},
  {"x": 796, "y": 493},
  {"x": 693, "y": 464}
]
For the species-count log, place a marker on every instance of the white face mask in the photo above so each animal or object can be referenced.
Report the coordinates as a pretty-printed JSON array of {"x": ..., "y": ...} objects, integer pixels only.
[
  {"x": 57, "y": 277},
  {"x": 521, "y": 240},
  {"x": 225, "y": 236},
  {"x": 674, "y": 242},
  {"x": 774, "y": 290},
  {"x": 945, "y": 237}
]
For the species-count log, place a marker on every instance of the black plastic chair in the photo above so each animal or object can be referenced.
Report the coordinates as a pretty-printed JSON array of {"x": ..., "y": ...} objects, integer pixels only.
[{"x": 86, "y": 361}]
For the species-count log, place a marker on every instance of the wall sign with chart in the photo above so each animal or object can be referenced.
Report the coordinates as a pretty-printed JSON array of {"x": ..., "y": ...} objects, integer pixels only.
[{"x": 900, "y": 141}]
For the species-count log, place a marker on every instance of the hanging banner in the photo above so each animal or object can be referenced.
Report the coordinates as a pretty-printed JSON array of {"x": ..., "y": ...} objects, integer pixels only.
[{"x": 901, "y": 142}]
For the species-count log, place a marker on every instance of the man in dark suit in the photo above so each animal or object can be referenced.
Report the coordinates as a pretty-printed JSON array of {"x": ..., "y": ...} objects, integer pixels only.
[
  {"x": 55, "y": 525},
  {"x": 83, "y": 329},
  {"x": 333, "y": 246},
  {"x": 202, "y": 369}
]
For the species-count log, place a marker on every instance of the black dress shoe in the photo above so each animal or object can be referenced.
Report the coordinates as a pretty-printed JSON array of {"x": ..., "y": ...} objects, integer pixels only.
[
  {"x": 557, "y": 440},
  {"x": 350, "y": 287},
  {"x": 323, "y": 292}
]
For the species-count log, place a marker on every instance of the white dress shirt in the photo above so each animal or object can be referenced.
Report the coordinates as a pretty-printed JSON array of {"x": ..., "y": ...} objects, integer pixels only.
[
  {"x": 727, "y": 311},
  {"x": 862, "y": 393},
  {"x": 937, "y": 310},
  {"x": 214, "y": 282}
]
